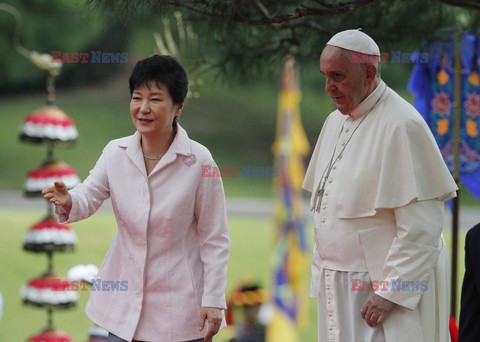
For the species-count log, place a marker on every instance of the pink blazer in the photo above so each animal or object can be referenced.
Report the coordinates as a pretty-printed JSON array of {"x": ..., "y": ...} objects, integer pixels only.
[{"x": 169, "y": 257}]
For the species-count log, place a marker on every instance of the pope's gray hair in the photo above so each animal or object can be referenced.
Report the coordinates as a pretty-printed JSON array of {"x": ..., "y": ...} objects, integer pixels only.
[{"x": 375, "y": 61}]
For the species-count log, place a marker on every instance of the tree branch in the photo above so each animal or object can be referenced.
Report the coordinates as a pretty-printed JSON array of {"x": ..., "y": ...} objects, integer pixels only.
[
  {"x": 262, "y": 9},
  {"x": 324, "y": 4},
  {"x": 233, "y": 11},
  {"x": 314, "y": 25},
  {"x": 475, "y": 4}
]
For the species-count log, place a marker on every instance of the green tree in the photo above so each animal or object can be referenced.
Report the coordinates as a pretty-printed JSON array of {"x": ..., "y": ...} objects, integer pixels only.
[
  {"x": 245, "y": 38},
  {"x": 56, "y": 25}
]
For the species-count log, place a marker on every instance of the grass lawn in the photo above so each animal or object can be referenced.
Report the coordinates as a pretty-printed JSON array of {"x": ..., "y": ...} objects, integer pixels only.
[{"x": 250, "y": 258}]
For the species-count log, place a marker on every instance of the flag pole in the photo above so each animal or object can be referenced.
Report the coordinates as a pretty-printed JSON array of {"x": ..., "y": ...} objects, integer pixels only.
[
  {"x": 456, "y": 172},
  {"x": 290, "y": 250}
]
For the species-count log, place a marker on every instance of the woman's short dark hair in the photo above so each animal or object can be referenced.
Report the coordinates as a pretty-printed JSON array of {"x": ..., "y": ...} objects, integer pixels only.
[{"x": 164, "y": 70}]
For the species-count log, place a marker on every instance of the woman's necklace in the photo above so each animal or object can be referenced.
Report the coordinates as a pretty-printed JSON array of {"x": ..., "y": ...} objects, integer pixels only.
[{"x": 152, "y": 157}]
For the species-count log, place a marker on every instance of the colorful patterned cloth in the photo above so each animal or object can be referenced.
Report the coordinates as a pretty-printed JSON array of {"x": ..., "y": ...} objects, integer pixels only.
[{"x": 433, "y": 84}]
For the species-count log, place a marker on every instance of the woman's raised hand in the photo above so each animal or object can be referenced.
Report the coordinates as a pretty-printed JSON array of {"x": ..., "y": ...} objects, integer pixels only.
[{"x": 58, "y": 195}]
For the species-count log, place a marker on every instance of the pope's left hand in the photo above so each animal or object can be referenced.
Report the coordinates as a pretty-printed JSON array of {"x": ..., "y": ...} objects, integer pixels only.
[
  {"x": 214, "y": 318},
  {"x": 376, "y": 309}
]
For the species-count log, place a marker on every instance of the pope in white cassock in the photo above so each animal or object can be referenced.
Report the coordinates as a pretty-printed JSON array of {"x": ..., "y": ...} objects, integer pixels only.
[{"x": 378, "y": 181}]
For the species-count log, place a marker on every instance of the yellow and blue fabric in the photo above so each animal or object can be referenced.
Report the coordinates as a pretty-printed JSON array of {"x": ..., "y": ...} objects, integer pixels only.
[
  {"x": 432, "y": 83},
  {"x": 290, "y": 243}
]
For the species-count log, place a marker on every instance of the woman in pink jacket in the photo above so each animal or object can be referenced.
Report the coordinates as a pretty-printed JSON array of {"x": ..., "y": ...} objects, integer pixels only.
[{"x": 163, "y": 277}]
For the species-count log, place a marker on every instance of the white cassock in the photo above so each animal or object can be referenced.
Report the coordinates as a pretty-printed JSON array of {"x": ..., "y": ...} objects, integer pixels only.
[{"x": 380, "y": 219}]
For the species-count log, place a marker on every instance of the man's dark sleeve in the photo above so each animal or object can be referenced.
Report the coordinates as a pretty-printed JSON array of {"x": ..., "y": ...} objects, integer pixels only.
[{"x": 470, "y": 303}]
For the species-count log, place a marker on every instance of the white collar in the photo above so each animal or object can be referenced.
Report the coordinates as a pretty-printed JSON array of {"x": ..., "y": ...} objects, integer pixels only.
[{"x": 371, "y": 100}]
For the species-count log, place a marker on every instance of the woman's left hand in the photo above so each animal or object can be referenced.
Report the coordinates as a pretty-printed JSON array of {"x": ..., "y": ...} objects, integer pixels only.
[{"x": 214, "y": 318}]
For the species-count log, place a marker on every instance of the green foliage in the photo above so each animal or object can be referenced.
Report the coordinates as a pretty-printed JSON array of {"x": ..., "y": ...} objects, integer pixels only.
[
  {"x": 233, "y": 39},
  {"x": 230, "y": 40},
  {"x": 56, "y": 25}
]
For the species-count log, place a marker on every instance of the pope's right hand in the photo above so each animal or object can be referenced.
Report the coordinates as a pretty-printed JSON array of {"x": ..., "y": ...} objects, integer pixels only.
[{"x": 58, "y": 195}]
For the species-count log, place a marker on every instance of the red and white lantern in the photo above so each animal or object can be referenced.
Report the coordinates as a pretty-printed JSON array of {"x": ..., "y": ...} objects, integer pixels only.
[
  {"x": 48, "y": 124},
  {"x": 51, "y": 290},
  {"x": 48, "y": 235},
  {"x": 49, "y": 172}
]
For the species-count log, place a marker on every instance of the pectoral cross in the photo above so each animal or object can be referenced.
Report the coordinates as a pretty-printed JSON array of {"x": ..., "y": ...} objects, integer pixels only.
[{"x": 319, "y": 199}]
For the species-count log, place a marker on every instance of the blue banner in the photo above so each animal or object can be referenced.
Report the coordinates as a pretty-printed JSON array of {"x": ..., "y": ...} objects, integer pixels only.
[{"x": 432, "y": 82}]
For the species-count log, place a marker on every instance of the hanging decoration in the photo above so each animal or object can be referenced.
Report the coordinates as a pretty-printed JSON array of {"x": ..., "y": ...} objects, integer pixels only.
[{"x": 48, "y": 126}]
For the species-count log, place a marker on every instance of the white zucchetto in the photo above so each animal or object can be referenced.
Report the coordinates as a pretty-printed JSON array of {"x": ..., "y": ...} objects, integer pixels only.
[{"x": 355, "y": 40}]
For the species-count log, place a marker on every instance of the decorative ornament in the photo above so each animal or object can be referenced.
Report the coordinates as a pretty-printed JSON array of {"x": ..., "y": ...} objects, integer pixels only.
[
  {"x": 49, "y": 172},
  {"x": 49, "y": 290},
  {"x": 51, "y": 126},
  {"x": 190, "y": 160},
  {"x": 51, "y": 335},
  {"x": 48, "y": 124},
  {"x": 50, "y": 236}
]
